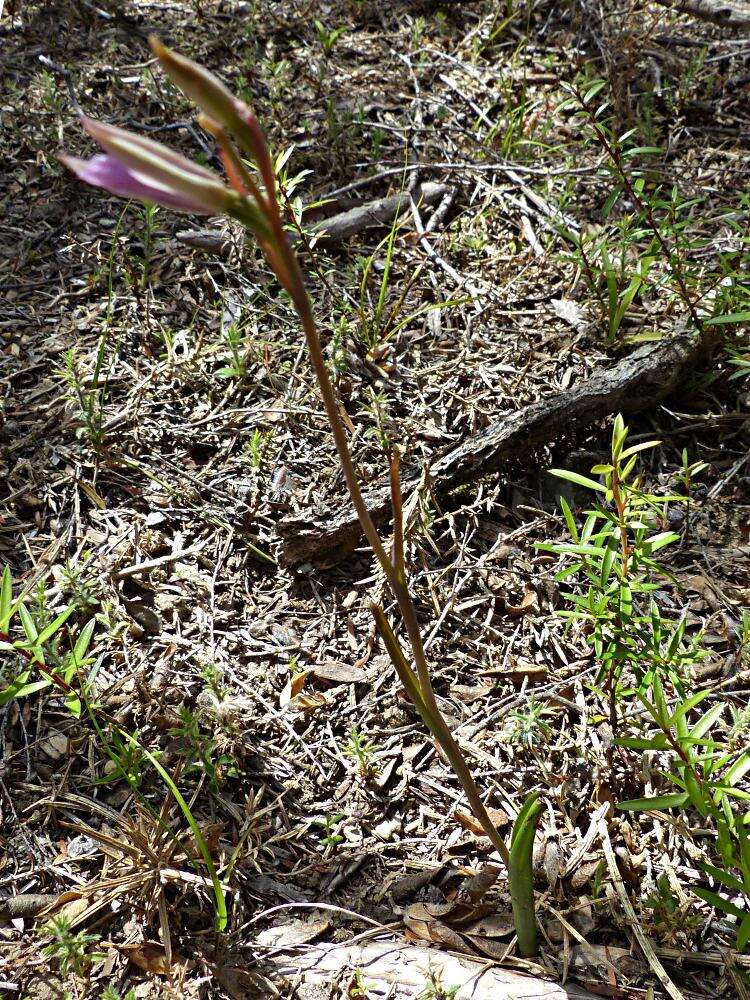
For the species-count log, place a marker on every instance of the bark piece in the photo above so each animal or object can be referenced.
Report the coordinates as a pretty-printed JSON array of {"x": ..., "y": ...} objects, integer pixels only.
[
  {"x": 402, "y": 971},
  {"x": 25, "y": 904},
  {"x": 636, "y": 383}
]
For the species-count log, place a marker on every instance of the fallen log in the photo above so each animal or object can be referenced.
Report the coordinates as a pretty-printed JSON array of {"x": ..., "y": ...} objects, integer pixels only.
[
  {"x": 402, "y": 971},
  {"x": 636, "y": 383}
]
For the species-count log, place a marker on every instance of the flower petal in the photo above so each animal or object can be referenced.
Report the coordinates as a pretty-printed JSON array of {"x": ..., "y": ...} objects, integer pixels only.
[
  {"x": 107, "y": 135},
  {"x": 107, "y": 172},
  {"x": 158, "y": 165}
]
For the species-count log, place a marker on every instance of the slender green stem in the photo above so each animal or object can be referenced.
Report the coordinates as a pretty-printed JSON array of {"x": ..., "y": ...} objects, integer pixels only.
[
  {"x": 419, "y": 686},
  {"x": 405, "y": 673},
  {"x": 396, "y": 580},
  {"x": 398, "y": 586},
  {"x": 521, "y": 875},
  {"x": 437, "y": 725},
  {"x": 399, "y": 558}
]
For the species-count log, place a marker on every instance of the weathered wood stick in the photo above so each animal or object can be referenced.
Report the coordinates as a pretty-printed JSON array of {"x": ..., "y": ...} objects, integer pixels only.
[
  {"x": 401, "y": 970},
  {"x": 378, "y": 212},
  {"x": 636, "y": 383},
  {"x": 733, "y": 15}
]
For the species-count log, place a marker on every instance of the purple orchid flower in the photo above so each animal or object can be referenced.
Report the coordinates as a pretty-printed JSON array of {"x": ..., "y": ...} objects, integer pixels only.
[
  {"x": 135, "y": 167},
  {"x": 107, "y": 172}
]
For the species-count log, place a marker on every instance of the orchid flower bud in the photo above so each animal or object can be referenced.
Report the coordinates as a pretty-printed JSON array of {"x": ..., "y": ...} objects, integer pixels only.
[
  {"x": 218, "y": 102},
  {"x": 197, "y": 83}
]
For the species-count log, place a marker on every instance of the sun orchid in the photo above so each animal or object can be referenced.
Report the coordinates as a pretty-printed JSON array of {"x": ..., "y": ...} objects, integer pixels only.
[{"x": 133, "y": 166}]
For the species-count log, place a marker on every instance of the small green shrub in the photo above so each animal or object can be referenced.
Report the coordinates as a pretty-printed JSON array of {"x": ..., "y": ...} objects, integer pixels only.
[{"x": 613, "y": 554}]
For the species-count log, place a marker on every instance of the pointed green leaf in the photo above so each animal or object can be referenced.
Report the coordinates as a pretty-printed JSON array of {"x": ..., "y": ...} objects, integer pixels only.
[
  {"x": 719, "y": 903},
  {"x": 743, "y": 934},
  {"x": 658, "y": 742},
  {"x": 6, "y": 599},
  {"x": 704, "y": 724},
  {"x": 688, "y": 705},
  {"x": 735, "y": 317},
  {"x": 82, "y": 643},
  {"x": 723, "y": 878},
  {"x": 55, "y": 625},
  {"x": 657, "y": 542},
  {"x": 672, "y": 801},
  {"x": 569, "y": 519},
  {"x": 738, "y": 769},
  {"x": 28, "y": 623},
  {"x": 21, "y": 688},
  {"x": 579, "y": 480},
  {"x": 593, "y": 90}
]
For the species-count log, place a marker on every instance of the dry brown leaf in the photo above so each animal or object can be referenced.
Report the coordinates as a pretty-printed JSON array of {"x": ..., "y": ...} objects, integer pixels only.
[
  {"x": 433, "y": 930},
  {"x": 293, "y": 687},
  {"x": 528, "y": 602},
  {"x": 245, "y": 984},
  {"x": 454, "y": 913},
  {"x": 491, "y": 947},
  {"x": 441, "y": 933},
  {"x": 211, "y": 833},
  {"x": 469, "y": 821},
  {"x": 700, "y": 584},
  {"x": 406, "y": 885},
  {"x": 152, "y": 958},
  {"x": 475, "y": 889},
  {"x": 68, "y": 905},
  {"x": 607, "y": 962},
  {"x": 309, "y": 702},
  {"x": 495, "y": 925},
  {"x": 339, "y": 673}
]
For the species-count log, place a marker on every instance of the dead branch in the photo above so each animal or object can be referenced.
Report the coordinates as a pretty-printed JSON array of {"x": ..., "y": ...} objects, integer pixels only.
[
  {"x": 343, "y": 225},
  {"x": 636, "y": 383}
]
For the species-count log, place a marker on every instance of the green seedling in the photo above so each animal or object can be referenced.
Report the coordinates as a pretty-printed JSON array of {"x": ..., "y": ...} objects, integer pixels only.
[
  {"x": 38, "y": 659},
  {"x": 198, "y": 748},
  {"x": 69, "y": 949},
  {"x": 526, "y": 726},
  {"x": 328, "y": 38},
  {"x": 331, "y": 838},
  {"x": 614, "y": 553},
  {"x": 361, "y": 750},
  {"x": 706, "y": 776}
]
